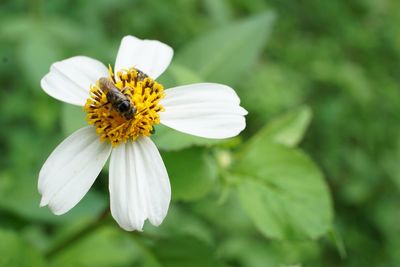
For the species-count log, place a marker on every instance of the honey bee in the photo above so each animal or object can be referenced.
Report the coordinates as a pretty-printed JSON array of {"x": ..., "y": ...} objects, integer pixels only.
[
  {"x": 118, "y": 100},
  {"x": 141, "y": 75}
]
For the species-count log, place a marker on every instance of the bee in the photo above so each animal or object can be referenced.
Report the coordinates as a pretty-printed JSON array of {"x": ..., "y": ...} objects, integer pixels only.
[
  {"x": 141, "y": 75},
  {"x": 118, "y": 100}
]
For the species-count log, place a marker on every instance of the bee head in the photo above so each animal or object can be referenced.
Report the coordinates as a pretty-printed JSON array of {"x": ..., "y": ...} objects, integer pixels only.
[
  {"x": 124, "y": 106},
  {"x": 126, "y": 109}
]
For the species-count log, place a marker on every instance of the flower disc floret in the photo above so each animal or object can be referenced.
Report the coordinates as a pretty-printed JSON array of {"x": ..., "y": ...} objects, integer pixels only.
[{"x": 144, "y": 94}]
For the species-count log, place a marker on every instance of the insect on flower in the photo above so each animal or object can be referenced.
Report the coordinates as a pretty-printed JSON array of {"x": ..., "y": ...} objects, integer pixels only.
[
  {"x": 122, "y": 106},
  {"x": 117, "y": 99}
]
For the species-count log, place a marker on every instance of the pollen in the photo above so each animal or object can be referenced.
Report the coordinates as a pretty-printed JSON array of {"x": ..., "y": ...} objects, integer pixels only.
[{"x": 143, "y": 94}]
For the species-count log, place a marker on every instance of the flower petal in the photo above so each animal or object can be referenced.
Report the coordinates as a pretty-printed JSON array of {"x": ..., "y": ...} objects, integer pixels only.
[
  {"x": 150, "y": 56},
  {"x": 69, "y": 80},
  {"x": 205, "y": 109},
  {"x": 139, "y": 185},
  {"x": 71, "y": 169}
]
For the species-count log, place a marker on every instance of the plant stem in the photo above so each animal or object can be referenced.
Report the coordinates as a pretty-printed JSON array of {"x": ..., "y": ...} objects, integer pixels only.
[{"x": 78, "y": 235}]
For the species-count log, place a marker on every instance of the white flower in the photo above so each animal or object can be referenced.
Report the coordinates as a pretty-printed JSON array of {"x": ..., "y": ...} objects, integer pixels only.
[{"x": 139, "y": 185}]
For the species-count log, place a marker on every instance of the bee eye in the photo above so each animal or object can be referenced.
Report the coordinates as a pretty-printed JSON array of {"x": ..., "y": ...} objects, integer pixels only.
[{"x": 124, "y": 106}]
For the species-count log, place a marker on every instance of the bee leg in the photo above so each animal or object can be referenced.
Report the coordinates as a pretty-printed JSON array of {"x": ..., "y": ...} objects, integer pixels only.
[
  {"x": 102, "y": 105},
  {"x": 124, "y": 89},
  {"x": 144, "y": 110},
  {"x": 129, "y": 125}
]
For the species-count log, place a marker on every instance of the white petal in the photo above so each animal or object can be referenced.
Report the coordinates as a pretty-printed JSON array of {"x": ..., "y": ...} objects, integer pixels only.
[
  {"x": 139, "y": 185},
  {"x": 205, "y": 109},
  {"x": 69, "y": 80},
  {"x": 71, "y": 169},
  {"x": 150, "y": 56}
]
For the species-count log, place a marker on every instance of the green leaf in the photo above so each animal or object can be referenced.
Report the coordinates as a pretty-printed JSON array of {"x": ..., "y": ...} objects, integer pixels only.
[
  {"x": 287, "y": 129},
  {"x": 36, "y": 56},
  {"x": 19, "y": 195},
  {"x": 171, "y": 140},
  {"x": 185, "y": 251},
  {"x": 15, "y": 252},
  {"x": 189, "y": 224},
  {"x": 283, "y": 191},
  {"x": 198, "y": 176},
  {"x": 219, "y": 11},
  {"x": 177, "y": 75},
  {"x": 253, "y": 251},
  {"x": 225, "y": 55},
  {"x": 72, "y": 118},
  {"x": 337, "y": 239},
  {"x": 219, "y": 213},
  {"x": 14, "y": 27},
  {"x": 65, "y": 31},
  {"x": 271, "y": 89},
  {"x": 107, "y": 246}
]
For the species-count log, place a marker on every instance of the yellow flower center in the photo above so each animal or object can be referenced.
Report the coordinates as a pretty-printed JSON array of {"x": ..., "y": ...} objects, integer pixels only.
[{"x": 125, "y": 107}]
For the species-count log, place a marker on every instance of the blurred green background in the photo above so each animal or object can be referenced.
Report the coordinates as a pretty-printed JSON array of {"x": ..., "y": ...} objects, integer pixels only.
[{"x": 313, "y": 180}]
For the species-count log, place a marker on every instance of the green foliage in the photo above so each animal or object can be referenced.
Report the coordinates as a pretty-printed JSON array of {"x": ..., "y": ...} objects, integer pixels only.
[
  {"x": 107, "y": 246},
  {"x": 185, "y": 251},
  {"x": 320, "y": 80},
  {"x": 283, "y": 191},
  {"x": 196, "y": 178},
  {"x": 225, "y": 54},
  {"x": 16, "y": 252},
  {"x": 18, "y": 195},
  {"x": 72, "y": 118},
  {"x": 287, "y": 129}
]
